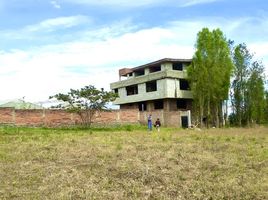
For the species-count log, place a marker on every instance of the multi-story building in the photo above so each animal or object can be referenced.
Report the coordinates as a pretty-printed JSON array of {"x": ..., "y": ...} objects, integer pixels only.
[{"x": 159, "y": 88}]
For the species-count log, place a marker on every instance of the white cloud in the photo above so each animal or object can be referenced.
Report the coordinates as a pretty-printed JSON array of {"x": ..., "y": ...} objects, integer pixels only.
[
  {"x": 55, "y": 4},
  {"x": 42, "y": 71},
  {"x": 260, "y": 48},
  {"x": 45, "y": 30},
  {"x": 56, "y": 23},
  {"x": 196, "y": 2}
]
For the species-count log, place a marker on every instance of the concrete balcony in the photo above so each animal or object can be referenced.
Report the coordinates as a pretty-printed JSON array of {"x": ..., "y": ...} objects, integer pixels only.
[
  {"x": 147, "y": 96},
  {"x": 139, "y": 97},
  {"x": 150, "y": 77},
  {"x": 185, "y": 94}
]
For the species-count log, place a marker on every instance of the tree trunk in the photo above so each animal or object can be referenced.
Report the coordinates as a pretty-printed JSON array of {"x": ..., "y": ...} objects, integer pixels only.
[{"x": 217, "y": 116}]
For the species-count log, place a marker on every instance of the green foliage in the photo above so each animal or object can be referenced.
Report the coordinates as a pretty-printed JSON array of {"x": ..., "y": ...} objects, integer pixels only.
[
  {"x": 266, "y": 107},
  {"x": 214, "y": 62},
  {"x": 85, "y": 102},
  {"x": 241, "y": 59},
  {"x": 209, "y": 75},
  {"x": 247, "y": 92},
  {"x": 255, "y": 94}
]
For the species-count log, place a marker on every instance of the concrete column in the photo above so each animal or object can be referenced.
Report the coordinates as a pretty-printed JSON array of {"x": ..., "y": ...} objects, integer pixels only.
[
  {"x": 146, "y": 71},
  {"x": 118, "y": 116},
  {"x": 138, "y": 116},
  {"x": 166, "y": 105},
  {"x": 14, "y": 116},
  {"x": 163, "y": 117},
  {"x": 189, "y": 118},
  {"x": 44, "y": 116}
]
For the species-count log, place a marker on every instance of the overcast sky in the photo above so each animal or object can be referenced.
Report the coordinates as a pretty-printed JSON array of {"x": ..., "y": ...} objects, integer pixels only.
[{"x": 50, "y": 46}]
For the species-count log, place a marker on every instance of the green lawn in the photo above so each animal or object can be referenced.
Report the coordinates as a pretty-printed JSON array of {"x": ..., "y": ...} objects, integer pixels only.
[{"x": 53, "y": 164}]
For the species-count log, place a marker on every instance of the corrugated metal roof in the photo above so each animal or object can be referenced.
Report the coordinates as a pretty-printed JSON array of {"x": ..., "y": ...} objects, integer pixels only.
[{"x": 20, "y": 104}]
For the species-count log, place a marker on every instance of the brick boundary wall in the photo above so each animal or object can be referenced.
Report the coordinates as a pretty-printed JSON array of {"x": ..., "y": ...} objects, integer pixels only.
[
  {"x": 54, "y": 118},
  {"x": 167, "y": 118}
]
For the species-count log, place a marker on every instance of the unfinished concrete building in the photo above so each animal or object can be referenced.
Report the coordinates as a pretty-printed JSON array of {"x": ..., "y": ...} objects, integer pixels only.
[{"x": 159, "y": 88}]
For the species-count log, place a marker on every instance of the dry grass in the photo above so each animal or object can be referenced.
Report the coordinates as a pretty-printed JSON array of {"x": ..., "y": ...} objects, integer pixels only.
[{"x": 172, "y": 164}]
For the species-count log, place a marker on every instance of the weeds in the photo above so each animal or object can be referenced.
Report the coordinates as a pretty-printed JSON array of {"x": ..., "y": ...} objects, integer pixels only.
[{"x": 130, "y": 163}]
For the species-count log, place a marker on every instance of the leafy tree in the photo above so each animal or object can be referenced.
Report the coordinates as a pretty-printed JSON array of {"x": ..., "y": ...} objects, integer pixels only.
[
  {"x": 85, "y": 102},
  {"x": 247, "y": 88},
  {"x": 241, "y": 59},
  {"x": 255, "y": 102},
  {"x": 209, "y": 75},
  {"x": 266, "y": 107}
]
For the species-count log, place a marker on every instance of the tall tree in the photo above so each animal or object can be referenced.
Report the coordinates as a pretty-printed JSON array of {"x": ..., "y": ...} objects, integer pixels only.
[
  {"x": 248, "y": 95},
  {"x": 209, "y": 75},
  {"x": 266, "y": 107},
  {"x": 85, "y": 102},
  {"x": 255, "y": 98},
  {"x": 242, "y": 60}
]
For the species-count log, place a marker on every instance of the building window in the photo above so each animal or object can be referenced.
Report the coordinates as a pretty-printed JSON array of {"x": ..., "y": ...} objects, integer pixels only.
[
  {"x": 139, "y": 73},
  {"x": 116, "y": 91},
  {"x": 155, "y": 69},
  {"x": 158, "y": 104},
  {"x": 184, "y": 85},
  {"x": 151, "y": 86},
  {"x": 142, "y": 106},
  {"x": 131, "y": 90},
  {"x": 182, "y": 104},
  {"x": 177, "y": 66}
]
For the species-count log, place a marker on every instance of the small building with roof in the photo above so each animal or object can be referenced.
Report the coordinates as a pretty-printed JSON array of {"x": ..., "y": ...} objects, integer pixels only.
[{"x": 20, "y": 104}]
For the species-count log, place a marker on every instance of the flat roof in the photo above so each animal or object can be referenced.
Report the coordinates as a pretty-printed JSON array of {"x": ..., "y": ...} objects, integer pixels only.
[
  {"x": 125, "y": 71},
  {"x": 160, "y": 62}
]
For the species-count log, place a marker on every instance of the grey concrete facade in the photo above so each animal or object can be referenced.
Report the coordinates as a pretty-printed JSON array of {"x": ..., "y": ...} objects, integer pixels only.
[{"x": 160, "y": 85}]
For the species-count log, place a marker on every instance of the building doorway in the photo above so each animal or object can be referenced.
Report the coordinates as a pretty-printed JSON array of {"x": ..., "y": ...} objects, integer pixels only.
[{"x": 184, "y": 122}]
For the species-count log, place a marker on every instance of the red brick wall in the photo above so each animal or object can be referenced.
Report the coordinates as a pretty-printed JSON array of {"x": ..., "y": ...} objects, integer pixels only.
[
  {"x": 6, "y": 115},
  {"x": 28, "y": 117},
  {"x": 167, "y": 118},
  {"x": 54, "y": 118},
  {"x": 58, "y": 118},
  {"x": 62, "y": 118},
  {"x": 126, "y": 116}
]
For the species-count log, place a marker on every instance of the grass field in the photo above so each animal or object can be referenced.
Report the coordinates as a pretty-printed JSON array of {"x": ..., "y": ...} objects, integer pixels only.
[{"x": 132, "y": 163}]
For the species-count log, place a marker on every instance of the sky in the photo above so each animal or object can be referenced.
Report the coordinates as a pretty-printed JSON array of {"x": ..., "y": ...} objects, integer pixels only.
[{"x": 50, "y": 46}]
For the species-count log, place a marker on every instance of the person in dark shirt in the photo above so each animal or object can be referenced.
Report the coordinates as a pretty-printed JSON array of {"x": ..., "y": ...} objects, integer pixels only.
[{"x": 157, "y": 124}]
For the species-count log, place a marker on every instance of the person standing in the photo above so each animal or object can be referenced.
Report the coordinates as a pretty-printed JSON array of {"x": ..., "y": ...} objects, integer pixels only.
[
  {"x": 150, "y": 122},
  {"x": 157, "y": 124}
]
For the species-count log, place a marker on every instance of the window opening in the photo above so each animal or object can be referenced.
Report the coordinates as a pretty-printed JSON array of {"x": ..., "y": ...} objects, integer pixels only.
[
  {"x": 155, "y": 69},
  {"x": 139, "y": 73},
  {"x": 142, "y": 106},
  {"x": 158, "y": 104},
  {"x": 181, "y": 103},
  {"x": 177, "y": 66},
  {"x": 151, "y": 86},
  {"x": 184, "y": 84},
  {"x": 132, "y": 90}
]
